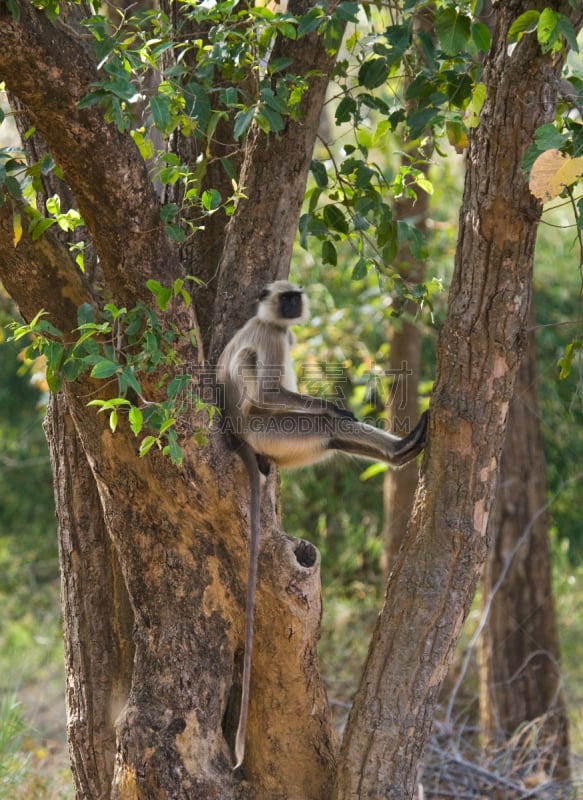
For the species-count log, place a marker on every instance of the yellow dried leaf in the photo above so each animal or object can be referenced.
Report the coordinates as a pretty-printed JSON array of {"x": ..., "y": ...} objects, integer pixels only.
[
  {"x": 551, "y": 172},
  {"x": 457, "y": 135},
  {"x": 16, "y": 227}
]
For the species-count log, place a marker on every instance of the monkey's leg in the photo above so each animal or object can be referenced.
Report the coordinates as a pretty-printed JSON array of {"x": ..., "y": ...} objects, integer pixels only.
[
  {"x": 294, "y": 439},
  {"x": 281, "y": 401},
  {"x": 366, "y": 441}
]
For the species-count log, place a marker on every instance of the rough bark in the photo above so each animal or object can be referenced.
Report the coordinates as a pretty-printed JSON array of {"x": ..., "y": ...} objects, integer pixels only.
[
  {"x": 520, "y": 680},
  {"x": 98, "y": 619},
  {"x": 273, "y": 174},
  {"x": 431, "y": 586},
  {"x": 179, "y": 536},
  {"x": 403, "y": 406},
  {"x": 103, "y": 167},
  {"x": 405, "y": 341}
]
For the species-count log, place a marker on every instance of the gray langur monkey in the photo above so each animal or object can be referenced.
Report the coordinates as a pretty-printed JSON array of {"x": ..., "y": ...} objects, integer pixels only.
[{"x": 267, "y": 419}]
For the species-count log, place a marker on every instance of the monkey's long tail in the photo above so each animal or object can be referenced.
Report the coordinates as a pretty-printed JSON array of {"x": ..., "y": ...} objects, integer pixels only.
[{"x": 249, "y": 459}]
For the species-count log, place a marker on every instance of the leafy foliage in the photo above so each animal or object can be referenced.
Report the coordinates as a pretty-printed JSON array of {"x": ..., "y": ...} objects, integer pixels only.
[{"x": 127, "y": 347}]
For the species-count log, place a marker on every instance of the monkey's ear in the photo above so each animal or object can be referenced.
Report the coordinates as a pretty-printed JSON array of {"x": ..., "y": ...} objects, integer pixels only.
[{"x": 264, "y": 295}]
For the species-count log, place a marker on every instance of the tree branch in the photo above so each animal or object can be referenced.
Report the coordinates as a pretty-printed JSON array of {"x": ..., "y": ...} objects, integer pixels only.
[
  {"x": 40, "y": 269},
  {"x": 260, "y": 235},
  {"x": 103, "y": 167}
]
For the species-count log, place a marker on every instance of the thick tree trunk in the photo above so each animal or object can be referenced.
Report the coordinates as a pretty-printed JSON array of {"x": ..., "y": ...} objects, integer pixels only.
[
  {"x": 185, "y": 574},
  {"x": 520, "y": 680},
  {"x": 97, "y": 615},
  {"x": 431, "y": 586}
]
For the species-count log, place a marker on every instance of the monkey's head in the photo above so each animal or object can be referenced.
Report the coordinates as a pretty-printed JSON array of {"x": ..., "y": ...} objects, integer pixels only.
[{"x": 282, "y": 303}]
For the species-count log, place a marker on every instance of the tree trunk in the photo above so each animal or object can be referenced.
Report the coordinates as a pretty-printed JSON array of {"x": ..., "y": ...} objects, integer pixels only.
[
  {"x": 405, "y": 353},
  {"x": 520, "y": 680},
  {"x": 180, "y": 536},
  {"x": 98, "y": 619},
  {"x": 431, "y": 586},
  {"x": 403, "y": 406}
]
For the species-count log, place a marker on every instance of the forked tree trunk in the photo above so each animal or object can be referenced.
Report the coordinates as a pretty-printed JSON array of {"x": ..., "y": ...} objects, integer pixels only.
[
  {"x": 432, "y": 583},
  {"x": 520, "y": 679},
  {"x": 169, "y": 681}
]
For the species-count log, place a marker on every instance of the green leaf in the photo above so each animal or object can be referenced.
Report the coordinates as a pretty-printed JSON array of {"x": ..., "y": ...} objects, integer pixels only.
[
  {"x": 127, "y": 380},
  {"x": 274, "y": 101},
  {"x": 197, "y": 103},
  {"x": 359, "y": 270},
  {"x": 319, "y": 172},
  {"x": 176, "y": 233},
  {"x": 566, "y": 29},
  {"x": 104, "y": 369},
  {"x": 525, "y": 23},
  {"x": 481, "y": 36},
  {"x": 162, "y": 294},
  {"x": 453, "y": 30},
  {"x": 278, "y": 64},
  {"x": 38, "y": 226},
  {"x": 329, "y": 255},
  {"x": 242, "y": 122},
  {"x": 346, "y": 11},
  {"x": 210, "y": 200},
  {"x": 169, "y": 211},
  {"x": 14, "y": 9},
  {"x": 547, "y": 25},
  {"x": 85, "y": 314},
  {"x": 373, "y": 73},
  {"x": 547, "y": 137},
  {"x": 177, "y": 385},
  {"x": 289, "y": 31},
  {"x": 373, "y": 471},
  {"x": 146, "y": 444},
  {"x": 566, "y": 362},
  {"x": 73, "y": 368},
  {"x": 13, "y": 186},
  {"x": 161, "y": 106},
  {"x": 54, "y": 353},
  {"x": 173, "y": 449},
  {"x": 274, "y": 120},
  {"x": 475, "y": 105},
  {"x": 335, "y": 219},
  {"x": 345, "y": 109},
  {"x": 310, "y": 21},
  {"x": 167, "y": 424},
  {"x": 136, "y": 419}
]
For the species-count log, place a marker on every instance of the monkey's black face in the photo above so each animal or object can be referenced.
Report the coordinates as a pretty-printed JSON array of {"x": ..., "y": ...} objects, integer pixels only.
[{"x": 290, "y": 305}]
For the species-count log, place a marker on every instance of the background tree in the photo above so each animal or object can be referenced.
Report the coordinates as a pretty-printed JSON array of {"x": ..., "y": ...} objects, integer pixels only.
[
  {"x": 180, "y": 537},
  {"x": 520, "y": 678}
]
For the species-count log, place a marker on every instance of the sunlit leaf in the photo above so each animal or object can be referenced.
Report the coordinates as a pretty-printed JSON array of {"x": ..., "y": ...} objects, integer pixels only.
[{"x": 552, "y": 172}]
